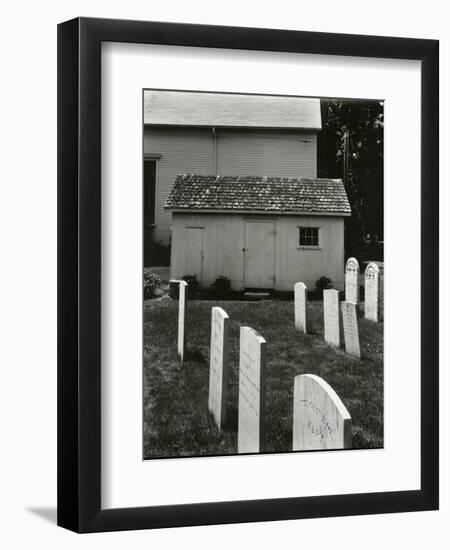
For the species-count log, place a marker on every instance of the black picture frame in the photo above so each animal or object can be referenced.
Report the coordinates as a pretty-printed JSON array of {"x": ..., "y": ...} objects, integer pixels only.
[{"x": 79, "y": 270}]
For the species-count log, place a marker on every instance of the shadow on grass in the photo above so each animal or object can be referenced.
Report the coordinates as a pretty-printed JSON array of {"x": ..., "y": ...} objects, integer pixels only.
[
  {"x": 194, "y": 355},
  {"x": 232, "y": 419}
]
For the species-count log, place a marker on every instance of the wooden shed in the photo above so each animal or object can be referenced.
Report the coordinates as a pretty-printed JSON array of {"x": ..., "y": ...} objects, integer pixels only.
[{"x": 260, "y": 232}]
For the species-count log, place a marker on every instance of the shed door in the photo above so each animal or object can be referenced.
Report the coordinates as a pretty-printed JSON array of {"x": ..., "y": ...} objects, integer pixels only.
[
  {"x": 259, "y": 255},
  {"x": 194, "y": 251}
]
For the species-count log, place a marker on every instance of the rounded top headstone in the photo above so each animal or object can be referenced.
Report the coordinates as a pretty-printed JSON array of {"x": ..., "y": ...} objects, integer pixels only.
[
  {"x": 321, "y": 420},
  {"x": 372, "y": 271},
  {"x": 352, "y": 265}
]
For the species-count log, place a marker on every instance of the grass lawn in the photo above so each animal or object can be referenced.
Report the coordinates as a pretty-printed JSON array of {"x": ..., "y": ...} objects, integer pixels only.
[{"x": 176, "y": 418}]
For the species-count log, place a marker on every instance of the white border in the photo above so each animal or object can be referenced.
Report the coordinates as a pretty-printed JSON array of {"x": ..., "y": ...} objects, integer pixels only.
[{"x": 128, "y": 481}]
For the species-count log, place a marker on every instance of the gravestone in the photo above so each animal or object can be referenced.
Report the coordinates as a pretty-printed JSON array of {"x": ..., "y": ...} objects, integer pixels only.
[
  {"x": 381, "y": 291},
  {"x": 218, "y": 366},
  {"x": 251, "y": 391},
  {"x": 331, "y": 317},
  {"x": 182, "y": 286},
  {"x": 320, "y": 419},
  {"x": 372, "y": 292},
  {"x": 351, "y": 332},
  {"x": 352, "y": 280},
  {"x": 300, "y": 306}
]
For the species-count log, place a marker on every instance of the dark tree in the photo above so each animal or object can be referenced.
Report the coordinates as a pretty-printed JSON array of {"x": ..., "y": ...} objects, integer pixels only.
[{"x": 350, "y": 147}]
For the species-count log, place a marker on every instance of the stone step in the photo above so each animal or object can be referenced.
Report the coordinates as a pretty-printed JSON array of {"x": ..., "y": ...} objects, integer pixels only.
[{"x": 253, "y": 295}]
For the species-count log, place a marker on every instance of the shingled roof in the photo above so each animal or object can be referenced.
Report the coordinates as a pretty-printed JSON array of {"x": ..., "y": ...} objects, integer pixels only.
[
  {"x": 259, "y": 194},
  {"x": 207, "y": 109}
]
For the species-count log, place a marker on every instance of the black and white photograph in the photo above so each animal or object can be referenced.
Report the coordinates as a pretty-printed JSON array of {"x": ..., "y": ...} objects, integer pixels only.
[
  {"x": 200, "y": 347},
  {"x": 263, "y": 273}
]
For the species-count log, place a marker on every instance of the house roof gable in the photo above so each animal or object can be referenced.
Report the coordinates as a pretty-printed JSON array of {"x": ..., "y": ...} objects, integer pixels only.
[
  {"x": 314, "y": 196},
  {"x": 176, "y": 108}
]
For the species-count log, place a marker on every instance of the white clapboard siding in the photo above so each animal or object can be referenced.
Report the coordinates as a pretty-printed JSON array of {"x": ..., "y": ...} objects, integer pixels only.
[
  {"x": 270, "y": 153},
  {"x": 240, "y": 152},
  {"x": 182, "y": 152}
]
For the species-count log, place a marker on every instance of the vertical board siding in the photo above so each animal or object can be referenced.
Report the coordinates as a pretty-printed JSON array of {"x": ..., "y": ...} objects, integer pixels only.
[
  {"x": 307, "y": 265},
  {"x": 223, "y": 241},
  {"x": 239, "y": 152}
]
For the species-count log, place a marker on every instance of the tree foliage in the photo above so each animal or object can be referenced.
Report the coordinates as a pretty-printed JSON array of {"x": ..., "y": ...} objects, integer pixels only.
[{"x": 362, "y": 121}]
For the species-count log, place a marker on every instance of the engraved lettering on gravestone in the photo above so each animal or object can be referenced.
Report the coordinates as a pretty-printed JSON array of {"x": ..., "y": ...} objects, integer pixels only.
[
  {"x": 300, "y": 307},
  {"x": 320, "y": 419},
  {"x": 352, "y": 280},
  {"x": 331, "y": 317},
  {"x": 218, "y": 366},
  {"x": 372, "y": 292},
  {"x": 351, "y": 332},
  {"x": 251, "y": 391}
]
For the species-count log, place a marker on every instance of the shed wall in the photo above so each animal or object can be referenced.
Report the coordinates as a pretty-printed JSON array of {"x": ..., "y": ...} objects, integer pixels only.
[
  {"x": 223, "y": 241},
  {"x": 240, "y": 152}
]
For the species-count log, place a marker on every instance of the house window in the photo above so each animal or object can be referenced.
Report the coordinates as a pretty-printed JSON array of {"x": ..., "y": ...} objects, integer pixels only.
[
  {"x": 308, "y": 236},
  {"x": 149, "y": 191}
]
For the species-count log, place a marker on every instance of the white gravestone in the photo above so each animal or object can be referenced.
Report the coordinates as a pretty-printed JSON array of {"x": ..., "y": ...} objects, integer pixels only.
[
  {"x": 218, "y": 366},
  {"x": 352, "y": 280},
  {"x": 331, "y": 317},
  {"x": 182, "y": 285},
  {"x": 251, "y": 391},
  {"x": 300, "y": 307},
  {"x": 372, "y": 292},
  {"x": 351, "y": 332},
  {"x": 381, "y": 294},
  {"x": 320, "y": 420}
]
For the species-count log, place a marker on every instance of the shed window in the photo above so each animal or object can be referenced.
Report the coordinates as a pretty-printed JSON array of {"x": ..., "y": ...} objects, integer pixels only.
[
  {"x": 149, "y": 191},
  {"x": 308, "y": 236}
]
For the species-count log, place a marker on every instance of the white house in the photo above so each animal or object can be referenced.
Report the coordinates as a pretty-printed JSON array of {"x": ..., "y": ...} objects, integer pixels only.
[
  {"x": 222, "y": 134},
  {"x": 252, "y": 209},
  {"x": 260, "y": 232}
]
